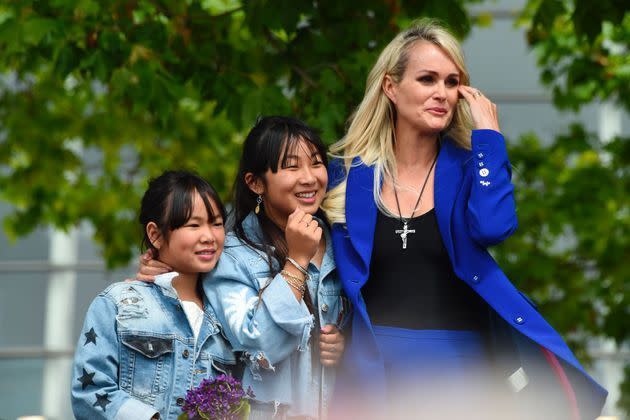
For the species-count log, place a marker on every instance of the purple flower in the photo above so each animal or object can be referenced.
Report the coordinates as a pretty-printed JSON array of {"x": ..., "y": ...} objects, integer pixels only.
[{"x": 221, "y": 398}]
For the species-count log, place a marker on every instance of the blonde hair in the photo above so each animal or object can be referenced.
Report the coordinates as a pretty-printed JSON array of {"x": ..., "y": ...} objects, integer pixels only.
[{"x": 370, "y": 134}]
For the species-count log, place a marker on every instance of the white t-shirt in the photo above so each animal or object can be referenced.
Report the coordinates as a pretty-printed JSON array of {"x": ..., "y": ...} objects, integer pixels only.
[{"x": 194, "y": 314}]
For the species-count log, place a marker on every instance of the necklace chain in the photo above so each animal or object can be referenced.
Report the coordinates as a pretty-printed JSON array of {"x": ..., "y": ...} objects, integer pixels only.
[
  {"x": 415, "y": 207},
  {"x": 405, "y": 231}
]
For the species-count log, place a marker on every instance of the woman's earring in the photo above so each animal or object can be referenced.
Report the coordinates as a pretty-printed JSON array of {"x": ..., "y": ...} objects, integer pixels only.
[{"x": 258, "y": 201}]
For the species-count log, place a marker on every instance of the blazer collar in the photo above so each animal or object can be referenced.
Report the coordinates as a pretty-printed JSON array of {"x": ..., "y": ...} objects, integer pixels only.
[
  {"x": 448, "y": 177},
  {"x": 361, "y": 212},
  {"x": 361, "y": 209}
]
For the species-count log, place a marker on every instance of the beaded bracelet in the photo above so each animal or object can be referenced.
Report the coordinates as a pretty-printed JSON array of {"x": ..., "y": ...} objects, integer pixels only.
[
  {"x": 298, "y": 266},
  {"x": 294, "y": 281}
]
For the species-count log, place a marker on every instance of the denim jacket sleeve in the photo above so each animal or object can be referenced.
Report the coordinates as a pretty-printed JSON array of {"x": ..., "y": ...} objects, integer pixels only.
[
  {"x": 491, "y": 211},
  {"x": 95, "y": 390},
  {"x": 269, "y": 325}
]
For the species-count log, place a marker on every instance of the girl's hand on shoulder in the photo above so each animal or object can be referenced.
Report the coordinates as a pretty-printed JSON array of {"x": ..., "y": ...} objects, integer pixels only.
[
  {"x": 303, "y": 235},
  {"x": 150, "y": 267},
  {"x": 331, "y": 345},
  {"x": 483, "y": 111}
]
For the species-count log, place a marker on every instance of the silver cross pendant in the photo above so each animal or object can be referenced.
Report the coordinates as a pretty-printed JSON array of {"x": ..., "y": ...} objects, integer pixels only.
[{"x": 403, "y": 234}]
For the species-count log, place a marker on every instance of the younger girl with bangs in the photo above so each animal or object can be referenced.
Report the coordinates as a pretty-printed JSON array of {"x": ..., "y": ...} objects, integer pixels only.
[
  {"x": 143, "y": 345},
  {"x": 275, "y": 289}
]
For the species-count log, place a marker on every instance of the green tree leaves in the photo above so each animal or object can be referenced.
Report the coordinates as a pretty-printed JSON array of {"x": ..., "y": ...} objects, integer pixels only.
[
  {"x": 582, "y": 49},
  {"x": 573, "y": 194},
  {"x": 136, "y": 87},
  {"x": 96, "y": 97}
]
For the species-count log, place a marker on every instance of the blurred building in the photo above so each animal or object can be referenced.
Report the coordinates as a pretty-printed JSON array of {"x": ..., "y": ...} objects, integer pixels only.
[{"x": 48, "y": 279}]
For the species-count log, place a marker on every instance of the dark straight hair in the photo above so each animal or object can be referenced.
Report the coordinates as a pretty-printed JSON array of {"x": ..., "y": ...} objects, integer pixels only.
[
  {"x": 272, "y": 138},
  {"x": 169, "y": 201}
]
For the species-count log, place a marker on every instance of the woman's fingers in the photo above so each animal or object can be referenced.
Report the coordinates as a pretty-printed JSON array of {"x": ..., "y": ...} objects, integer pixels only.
[
  {"x": 144, "y": 277},
  {"x": 307, "y": 219},
  {"x": 329, "y": 361},
  {"x": 303, "y": 235},
  {"x": 150, "y": 267},
  {"x": 467, "y": 92},
  {"x": 331, "y": 338},
  {"x": 330, "y": 353},
  {"x": 483, "y": 111},
  {"x": 331, "y": 345}
]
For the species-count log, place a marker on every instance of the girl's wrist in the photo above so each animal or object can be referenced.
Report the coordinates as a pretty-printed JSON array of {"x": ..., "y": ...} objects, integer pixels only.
[
  {"x": 293, "y": 270},
  {"x": 300, "y": 263},
  {"x": 296, "y": 282}
]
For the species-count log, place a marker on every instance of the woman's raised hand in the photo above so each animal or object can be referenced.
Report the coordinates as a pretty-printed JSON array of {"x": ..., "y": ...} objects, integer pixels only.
[
  {"x": 303, "y": 234},
  {"x": 484, "y": 112},
  {"x": 150, "y": 267}
]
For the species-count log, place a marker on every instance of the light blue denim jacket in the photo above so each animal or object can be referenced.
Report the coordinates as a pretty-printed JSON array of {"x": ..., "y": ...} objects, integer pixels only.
[
  {"x": 137, "y": 354},
  {"x": 276, "y": 332}
]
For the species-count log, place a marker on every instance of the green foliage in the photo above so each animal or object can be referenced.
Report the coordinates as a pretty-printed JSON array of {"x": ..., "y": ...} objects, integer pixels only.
[
  {"x": 575, "y": 217},
  {"x": 573, "y": 194},
  {"x": 95, "y": 97},
  {"x": 583, "y": 49},
  {"x": 624, "y": 400}
]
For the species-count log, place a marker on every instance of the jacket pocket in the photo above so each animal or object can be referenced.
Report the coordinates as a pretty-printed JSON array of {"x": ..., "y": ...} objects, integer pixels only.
[
  {"x": 217, "y": 357},
  {"x": 145, "y": 365},
  {"x": 210, "y": 366},
  {"x": 220, "y": 367}
]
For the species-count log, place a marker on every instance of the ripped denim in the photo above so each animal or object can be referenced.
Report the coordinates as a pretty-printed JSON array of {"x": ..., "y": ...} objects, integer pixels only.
[
  {"x": 276, "y": 332},
  {"x": 137, "y": 354}
]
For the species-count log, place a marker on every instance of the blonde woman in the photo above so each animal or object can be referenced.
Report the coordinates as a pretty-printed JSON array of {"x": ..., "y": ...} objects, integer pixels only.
[{"x": 420, "y": 188}]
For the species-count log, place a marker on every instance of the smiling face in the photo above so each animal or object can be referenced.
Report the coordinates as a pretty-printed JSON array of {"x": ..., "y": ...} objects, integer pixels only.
[
  {"x": 426, "y": 96},
  {"x": 196, "y": 246},
  {"x": 300, "y": 181}
]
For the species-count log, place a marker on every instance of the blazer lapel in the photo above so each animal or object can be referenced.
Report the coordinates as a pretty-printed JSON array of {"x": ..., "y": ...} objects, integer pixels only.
[
  {"x": 361, "y": 214},
  {"x": 448, "y": 177},
  {"x": 361, "y": 208}
]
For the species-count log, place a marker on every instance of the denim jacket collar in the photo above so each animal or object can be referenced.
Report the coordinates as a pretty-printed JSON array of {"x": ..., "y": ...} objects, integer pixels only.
[
  {"x": 252, "y": 229},
  {"x": 165, "y": 282},
  {"x": 328, "y": 262},
  {"x": 165, "y": 285}
]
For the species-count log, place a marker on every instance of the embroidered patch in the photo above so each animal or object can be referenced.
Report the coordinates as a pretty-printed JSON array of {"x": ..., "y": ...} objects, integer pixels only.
[
  {"x": 90, "y": 337},
  {"x": 102, "y": 401},
  {"x": 86, "y": 379}
]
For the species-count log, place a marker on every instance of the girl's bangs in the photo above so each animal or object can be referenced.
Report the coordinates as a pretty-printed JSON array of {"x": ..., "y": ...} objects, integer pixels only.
[{"x": 293, "y": 142}]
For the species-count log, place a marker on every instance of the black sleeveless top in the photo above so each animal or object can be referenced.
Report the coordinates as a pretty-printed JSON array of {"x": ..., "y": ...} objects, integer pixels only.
[{"x": 416, "y": 287}]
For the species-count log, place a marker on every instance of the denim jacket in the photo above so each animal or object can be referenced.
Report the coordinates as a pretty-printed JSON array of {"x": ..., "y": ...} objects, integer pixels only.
[
  {"x": 276, "y": 333},
  {"x": 137, "y": 354}
]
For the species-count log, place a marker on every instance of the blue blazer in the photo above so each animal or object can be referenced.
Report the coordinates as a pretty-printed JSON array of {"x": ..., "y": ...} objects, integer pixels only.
[{"x": 475, "y": 208}]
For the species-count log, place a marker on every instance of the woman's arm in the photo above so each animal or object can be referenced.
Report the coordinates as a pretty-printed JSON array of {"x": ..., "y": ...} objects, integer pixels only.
[
  {"x": 260, "y": 315},
  {"x": 95, "y": 391},
  {"x": 491, "y": 210}
]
